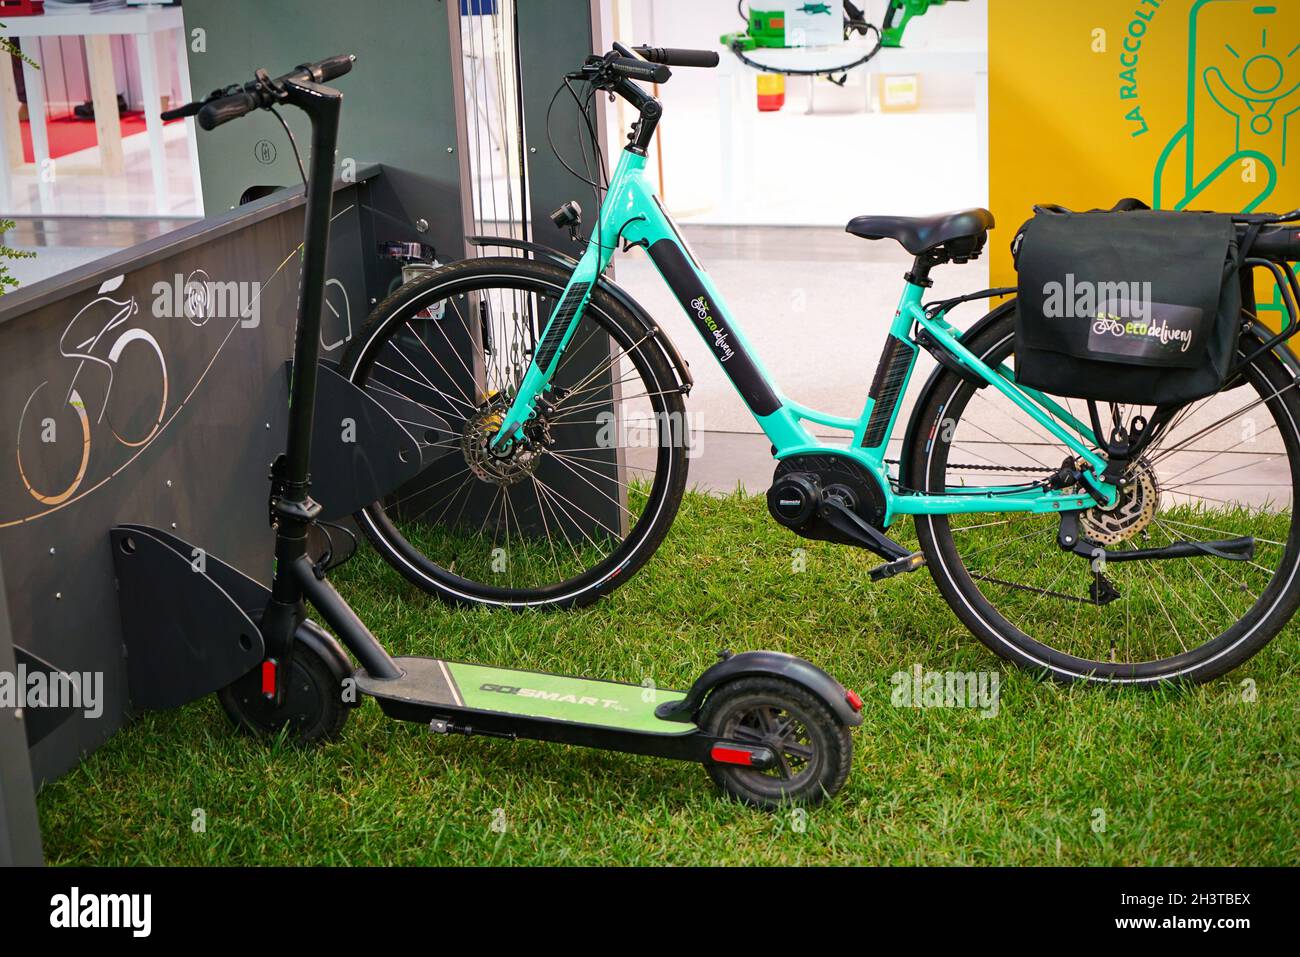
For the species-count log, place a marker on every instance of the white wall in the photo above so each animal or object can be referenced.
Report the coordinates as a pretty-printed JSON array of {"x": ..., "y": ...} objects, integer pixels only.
[{"x": 824, "y": 167}]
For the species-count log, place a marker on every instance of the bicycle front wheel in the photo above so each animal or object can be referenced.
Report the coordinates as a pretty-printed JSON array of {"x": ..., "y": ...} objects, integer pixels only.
[
  {"x": 1225, "y": 467},
  {"x": 561, "y": 519}
]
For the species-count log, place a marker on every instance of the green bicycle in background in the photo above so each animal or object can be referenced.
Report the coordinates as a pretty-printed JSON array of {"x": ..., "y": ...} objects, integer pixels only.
[{"x": 1126, "y": 553}]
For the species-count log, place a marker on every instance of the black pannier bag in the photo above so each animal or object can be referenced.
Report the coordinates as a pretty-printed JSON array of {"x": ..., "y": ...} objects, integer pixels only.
[{"x": 1129, "y": 305}]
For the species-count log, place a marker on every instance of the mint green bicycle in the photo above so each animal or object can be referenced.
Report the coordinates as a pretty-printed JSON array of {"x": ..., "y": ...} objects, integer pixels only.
[{"x": 1087, "y": 541}]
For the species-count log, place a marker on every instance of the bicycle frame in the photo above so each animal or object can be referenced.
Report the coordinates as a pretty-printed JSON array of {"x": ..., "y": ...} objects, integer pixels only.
[{"x": 632, "y": 212}]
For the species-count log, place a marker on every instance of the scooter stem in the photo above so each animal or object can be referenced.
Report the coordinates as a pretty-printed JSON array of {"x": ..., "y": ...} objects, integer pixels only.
[
  {"x": 291, "y": 504},
  {"x": 322, "y": 105}
]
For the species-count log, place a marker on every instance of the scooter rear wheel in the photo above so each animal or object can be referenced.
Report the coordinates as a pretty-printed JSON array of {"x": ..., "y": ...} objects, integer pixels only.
[
  {"x": 814, "y": 751},
  {"x": 313, "y": 710}
]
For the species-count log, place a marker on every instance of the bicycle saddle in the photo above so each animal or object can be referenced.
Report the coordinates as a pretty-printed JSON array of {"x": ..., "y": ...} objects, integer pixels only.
[{"x": 957, "y": 235}]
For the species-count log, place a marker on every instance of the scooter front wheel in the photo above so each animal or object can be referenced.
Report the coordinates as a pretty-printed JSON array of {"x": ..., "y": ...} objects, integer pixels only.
[
  {"x": 313, "y": 710},
  {"x": 813, "y": 750}
]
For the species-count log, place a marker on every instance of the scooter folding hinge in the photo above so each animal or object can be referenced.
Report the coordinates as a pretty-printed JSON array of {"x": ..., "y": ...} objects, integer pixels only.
[{"x": 305, "y": 511}]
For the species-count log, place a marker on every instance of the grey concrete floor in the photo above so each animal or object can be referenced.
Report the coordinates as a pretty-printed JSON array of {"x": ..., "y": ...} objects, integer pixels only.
[{"x": 816, "y": 304}]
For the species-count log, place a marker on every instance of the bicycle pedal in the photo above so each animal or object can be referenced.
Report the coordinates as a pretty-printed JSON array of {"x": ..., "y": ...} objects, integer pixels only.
[{"x": 908, "y": 563}]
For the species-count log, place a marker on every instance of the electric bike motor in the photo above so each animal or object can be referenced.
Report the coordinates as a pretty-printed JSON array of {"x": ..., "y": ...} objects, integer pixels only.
[{"x": 803, "y": 484}]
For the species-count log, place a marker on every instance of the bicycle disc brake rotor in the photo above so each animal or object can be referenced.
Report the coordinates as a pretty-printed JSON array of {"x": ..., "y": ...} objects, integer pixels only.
[
  {"x": 1132, "y": 513},
  {"x": 488, "y": 465}
]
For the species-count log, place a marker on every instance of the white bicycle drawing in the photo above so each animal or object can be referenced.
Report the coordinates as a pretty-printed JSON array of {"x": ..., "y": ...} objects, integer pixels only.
[
  {"x": 1105, "y": 324},
  {"x": 100, "y": 344}
]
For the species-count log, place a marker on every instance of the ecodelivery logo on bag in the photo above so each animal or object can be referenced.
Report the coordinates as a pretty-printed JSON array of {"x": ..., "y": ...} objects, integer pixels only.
[{"x": 1124, "y": 318}]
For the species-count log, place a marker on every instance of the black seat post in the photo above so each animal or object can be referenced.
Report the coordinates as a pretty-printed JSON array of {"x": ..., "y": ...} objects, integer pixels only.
[{"x": 919, "y": 274}]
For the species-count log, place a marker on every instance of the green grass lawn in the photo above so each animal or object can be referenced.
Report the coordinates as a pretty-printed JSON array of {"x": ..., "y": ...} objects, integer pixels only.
[{"x": 1073, "y": 775}]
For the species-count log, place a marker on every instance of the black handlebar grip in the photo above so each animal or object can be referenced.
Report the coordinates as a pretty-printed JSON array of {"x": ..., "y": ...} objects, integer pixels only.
[
  {"x": 671, "y": 57},
  {"x": 1281, "y": 245},
  {"x": 225, "y": 109},
  {"x": 635, "y": 69},
  {"x": 333, "y": 68}
]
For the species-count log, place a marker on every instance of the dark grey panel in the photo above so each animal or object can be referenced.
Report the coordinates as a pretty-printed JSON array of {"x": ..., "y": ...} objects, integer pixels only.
[
  {"x": 554, "y": 39},
  {"x": 20, "y": 836},
  {"x": 95, "y": 460},
  {"x": 398, "y": 106}
]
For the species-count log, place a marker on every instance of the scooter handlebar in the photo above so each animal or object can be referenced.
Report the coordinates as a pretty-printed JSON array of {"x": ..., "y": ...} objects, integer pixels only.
[
  {"x": 234, "y": 102},
  {"x": 227, "y": 108},
  {"x": 331, "y": 68}
]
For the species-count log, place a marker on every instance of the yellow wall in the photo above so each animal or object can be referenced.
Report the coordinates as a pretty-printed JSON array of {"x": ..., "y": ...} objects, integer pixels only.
[{"x": 1181, "y": 103}]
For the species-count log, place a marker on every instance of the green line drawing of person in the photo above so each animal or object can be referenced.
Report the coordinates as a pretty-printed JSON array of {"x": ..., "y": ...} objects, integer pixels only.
[{"x": 1243, "y": 91}]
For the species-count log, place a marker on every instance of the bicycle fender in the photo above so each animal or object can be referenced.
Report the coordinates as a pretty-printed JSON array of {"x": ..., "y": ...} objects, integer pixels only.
[{"x": 767, "y": 664}]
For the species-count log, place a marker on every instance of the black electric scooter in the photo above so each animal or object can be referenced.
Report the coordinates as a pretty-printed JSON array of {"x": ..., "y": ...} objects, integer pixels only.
[{"x": 769, "y": 727}]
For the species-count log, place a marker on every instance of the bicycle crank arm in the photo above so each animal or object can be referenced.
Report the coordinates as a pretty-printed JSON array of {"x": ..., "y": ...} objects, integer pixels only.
[{"x": 843, "y": 519}]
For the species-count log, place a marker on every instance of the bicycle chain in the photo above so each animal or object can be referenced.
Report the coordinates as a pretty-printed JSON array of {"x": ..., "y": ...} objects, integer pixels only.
[{"x": 1026, "y": 469}]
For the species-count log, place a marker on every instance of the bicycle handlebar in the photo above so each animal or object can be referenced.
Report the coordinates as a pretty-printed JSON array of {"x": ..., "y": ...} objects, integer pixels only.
[
  {"x": 634, "y": 69},
  {"x": 222, "y": 106},
  {"x": 672, "y": 57},
  {"x": 650, "y": 64},
  {"x": 1281, "y": 244}
]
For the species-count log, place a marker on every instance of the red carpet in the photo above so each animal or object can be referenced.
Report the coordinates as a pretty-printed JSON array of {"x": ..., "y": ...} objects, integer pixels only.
[{"x": 68, "y": 134}]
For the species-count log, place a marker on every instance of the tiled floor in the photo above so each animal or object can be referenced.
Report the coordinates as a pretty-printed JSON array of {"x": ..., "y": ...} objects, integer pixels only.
[{"x": 79, "y": 189}]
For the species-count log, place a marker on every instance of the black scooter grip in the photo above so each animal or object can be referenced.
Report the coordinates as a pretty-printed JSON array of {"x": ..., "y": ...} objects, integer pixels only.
[
  {"x": 189, "y": 109},
  {"x": 227, "y": 108},
  {"x": 671, "y": 57}
]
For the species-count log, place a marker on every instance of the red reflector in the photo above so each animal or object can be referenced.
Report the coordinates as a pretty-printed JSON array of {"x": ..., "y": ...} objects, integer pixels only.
[
  {"x": 732, "y": 755},
  {"x": 855, "y": 702},
  {"x": 268, "y": 677}
]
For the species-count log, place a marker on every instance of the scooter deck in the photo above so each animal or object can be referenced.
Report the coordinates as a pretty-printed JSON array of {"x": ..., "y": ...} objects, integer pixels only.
[{"x": 510, "y": 702}]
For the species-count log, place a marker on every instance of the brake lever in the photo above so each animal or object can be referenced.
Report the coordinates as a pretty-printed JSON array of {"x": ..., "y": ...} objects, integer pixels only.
[{"x": 268, "y": 85}]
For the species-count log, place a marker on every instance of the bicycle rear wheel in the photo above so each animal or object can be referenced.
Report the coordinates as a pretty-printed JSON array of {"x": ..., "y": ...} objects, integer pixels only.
[
  {"x": 559, "y": 520},
  {"x": 1225, "y": 467}
]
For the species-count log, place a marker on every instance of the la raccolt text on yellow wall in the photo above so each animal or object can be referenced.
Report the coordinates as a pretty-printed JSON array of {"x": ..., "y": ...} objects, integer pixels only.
[{"x": 1184, "y": 104}]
